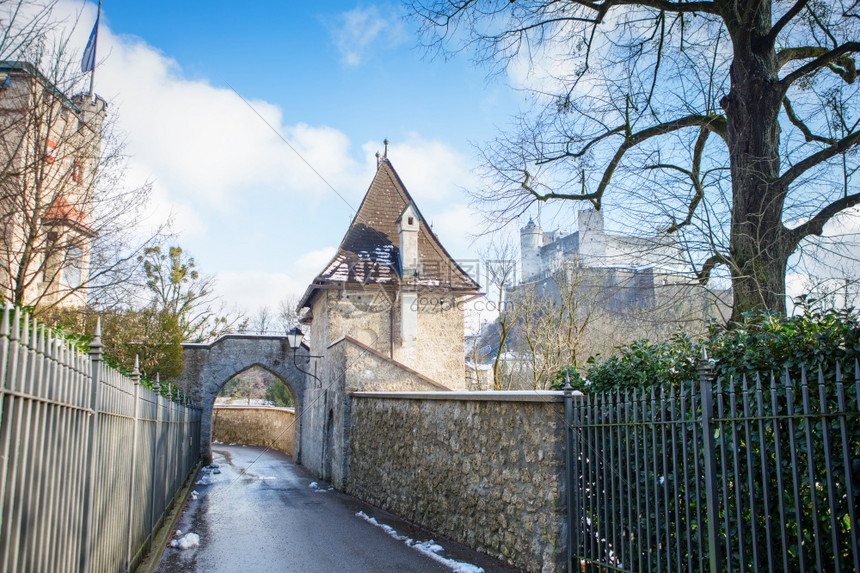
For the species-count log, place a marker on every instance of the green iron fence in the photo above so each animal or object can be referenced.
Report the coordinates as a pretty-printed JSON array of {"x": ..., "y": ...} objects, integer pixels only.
[{"x": 760, "y": 473}]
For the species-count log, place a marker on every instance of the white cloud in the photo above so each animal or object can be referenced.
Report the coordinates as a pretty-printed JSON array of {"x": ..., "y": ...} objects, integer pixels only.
[
  {"x": 311, "y": 264},
  {"x": 361, "y": 31},
  {"x": 217, "y": 143},
  {"x": 254, "y": 289},
  {"x": 455, "y": 227},
  {"x": 431, "y": 170}
]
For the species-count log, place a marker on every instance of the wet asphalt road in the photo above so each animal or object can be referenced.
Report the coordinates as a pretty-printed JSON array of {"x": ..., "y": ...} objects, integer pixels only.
[{"x": 274, "y": 517}]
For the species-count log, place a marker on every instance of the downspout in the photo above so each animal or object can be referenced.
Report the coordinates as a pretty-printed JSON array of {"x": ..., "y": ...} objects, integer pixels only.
[{"x": 391, "y": 323}]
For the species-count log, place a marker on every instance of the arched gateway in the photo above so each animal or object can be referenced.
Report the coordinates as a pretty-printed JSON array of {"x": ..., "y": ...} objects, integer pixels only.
[{"x": 207, "y": 367}]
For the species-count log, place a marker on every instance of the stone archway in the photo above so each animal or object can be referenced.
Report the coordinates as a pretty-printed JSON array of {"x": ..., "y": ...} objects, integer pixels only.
[{"x": 208, "y": 367}]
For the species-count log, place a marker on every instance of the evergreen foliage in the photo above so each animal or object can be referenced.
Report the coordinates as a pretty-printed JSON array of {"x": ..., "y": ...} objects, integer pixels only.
[{"x": 760, "y": 343}]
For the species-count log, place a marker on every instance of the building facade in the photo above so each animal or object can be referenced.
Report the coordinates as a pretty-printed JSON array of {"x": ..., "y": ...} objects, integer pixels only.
[
  {"x": 619, "y": 274},
  {"x": 385, "y": 314},
  {"x": 49, "y": 155}
]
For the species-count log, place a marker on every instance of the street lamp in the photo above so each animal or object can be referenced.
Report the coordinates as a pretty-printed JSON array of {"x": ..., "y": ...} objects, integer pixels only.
[{"x": 294, "y": 339}]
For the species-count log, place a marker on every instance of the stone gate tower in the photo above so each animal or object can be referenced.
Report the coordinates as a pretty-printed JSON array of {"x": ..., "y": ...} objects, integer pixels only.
[{"x": 386, "y": 314}]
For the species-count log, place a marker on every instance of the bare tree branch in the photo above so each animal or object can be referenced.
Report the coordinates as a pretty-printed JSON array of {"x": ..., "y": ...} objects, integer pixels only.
[{"x": 847, "y": 71}]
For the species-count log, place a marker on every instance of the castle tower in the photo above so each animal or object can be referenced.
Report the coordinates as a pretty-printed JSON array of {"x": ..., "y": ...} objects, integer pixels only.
[
  {"x": 531, "y": 240},
  {"x": 592, "y": 241}
]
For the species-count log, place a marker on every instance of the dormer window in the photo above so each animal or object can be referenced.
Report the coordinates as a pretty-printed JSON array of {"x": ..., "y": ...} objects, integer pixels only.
[{"x": 410, "y": 221}]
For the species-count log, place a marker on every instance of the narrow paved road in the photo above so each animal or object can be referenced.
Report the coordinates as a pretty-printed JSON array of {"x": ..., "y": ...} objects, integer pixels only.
[{"x": 263, "y": 513}]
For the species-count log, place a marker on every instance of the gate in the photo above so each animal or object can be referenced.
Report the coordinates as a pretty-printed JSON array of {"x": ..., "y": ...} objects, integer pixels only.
[{"x": 760, "y": 473}]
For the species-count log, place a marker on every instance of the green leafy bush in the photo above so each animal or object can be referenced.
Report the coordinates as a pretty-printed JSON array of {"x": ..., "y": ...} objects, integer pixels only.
[
  {"x": 761, "y": 343},
  {"x": 781, "y": 446}
]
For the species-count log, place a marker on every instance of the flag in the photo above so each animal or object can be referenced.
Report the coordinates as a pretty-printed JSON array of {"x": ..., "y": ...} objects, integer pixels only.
[{"x": 88, "y": 62}]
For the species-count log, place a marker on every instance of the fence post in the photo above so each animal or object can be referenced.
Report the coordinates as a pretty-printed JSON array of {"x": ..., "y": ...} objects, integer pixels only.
[
  {"x": 706, "y": 382},
  {"x": 156, "y": 388},
  {"x": 135, "y": 378},
  {"x": 568, "y": 466},
  {"x": 96, "y": 348}
]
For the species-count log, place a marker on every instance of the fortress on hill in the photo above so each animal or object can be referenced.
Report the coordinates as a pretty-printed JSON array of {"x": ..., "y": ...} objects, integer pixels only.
[{"x": 619, "y": 274}]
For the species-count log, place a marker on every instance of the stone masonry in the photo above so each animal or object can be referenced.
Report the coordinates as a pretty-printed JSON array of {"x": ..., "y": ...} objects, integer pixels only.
[
  {"x": 272, "y": 428},
  {"x": 484, "y": 468},
  {"x": 207, "y": 367}
]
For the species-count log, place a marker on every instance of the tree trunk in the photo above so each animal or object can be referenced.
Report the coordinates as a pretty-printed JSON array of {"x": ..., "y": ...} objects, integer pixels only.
[{"x": 757, "y": 240}]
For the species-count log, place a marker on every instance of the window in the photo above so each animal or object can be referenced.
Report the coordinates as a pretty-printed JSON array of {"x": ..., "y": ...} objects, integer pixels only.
[
  {"x": 71, "y": 276},
  {"x": 76, "y": 171}
]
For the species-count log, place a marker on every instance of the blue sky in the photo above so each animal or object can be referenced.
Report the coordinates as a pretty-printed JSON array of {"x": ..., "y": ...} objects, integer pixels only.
[{"x": 334, "y": 79}]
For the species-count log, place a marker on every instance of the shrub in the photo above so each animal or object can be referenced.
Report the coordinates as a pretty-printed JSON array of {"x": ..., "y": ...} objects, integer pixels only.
[{"x": 761, "y": 343}]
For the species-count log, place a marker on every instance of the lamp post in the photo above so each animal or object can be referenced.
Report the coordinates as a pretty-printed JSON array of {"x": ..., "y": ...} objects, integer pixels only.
[{"x": 294, "y": 339}]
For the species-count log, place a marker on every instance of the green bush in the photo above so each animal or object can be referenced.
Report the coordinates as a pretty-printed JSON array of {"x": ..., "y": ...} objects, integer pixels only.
[
  {"x": 761, "y": 343},
  {"x": 778, "y": 448}
]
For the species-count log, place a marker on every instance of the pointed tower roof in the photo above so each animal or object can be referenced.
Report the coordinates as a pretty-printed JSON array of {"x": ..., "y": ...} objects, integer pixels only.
[{"x": 369, "y": 253}]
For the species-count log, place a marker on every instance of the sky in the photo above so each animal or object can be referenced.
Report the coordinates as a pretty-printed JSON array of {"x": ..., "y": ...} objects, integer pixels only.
[
  {"x": 257, "y": 127},
  {"x": 204, "y": 92}
]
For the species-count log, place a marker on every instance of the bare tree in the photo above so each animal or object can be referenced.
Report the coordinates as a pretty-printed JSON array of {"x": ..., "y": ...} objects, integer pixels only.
[
  {"x": 68, "y": 223},
  {"x": 730, "y": 123},
  {"x": 288, "y": 314},
  {"x": 180, "y": 291},
  {"x": 261, "y": 322},
  {"x": 499, "y": 263},
  {"x": 554, "y": 316}
]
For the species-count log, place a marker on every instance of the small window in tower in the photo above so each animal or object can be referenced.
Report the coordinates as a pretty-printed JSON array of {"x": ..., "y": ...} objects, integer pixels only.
[
  {"x": 76, "y": 171},
  {"x": 411, "y": 221}
]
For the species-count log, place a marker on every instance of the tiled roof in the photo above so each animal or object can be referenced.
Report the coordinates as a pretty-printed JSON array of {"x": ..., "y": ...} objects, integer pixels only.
[
  {"x": 60, "y": 212},
  {"x": 370, "y": 255}
]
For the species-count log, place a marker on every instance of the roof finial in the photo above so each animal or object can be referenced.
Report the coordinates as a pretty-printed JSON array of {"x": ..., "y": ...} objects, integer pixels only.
[
  {"x": 377, "y": 159},
  {"x": 385, "y": 142}
]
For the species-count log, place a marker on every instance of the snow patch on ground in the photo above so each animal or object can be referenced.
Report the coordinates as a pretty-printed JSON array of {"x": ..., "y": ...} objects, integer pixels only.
[
  {"x": 206, "y": 475},
  {"x": 429, "y": 548},
  {"x": 316, "y": 487},
  {"x": 187, "y": 541}
]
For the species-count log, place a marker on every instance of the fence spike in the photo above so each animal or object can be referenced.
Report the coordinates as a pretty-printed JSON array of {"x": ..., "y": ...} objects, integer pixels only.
[
  {"x": 157, "y": 386},
  {"x": 4, "y": 328},
  {"x": 135, "y": 373},
  {"x": 16, "y": 324},
  {"x": 96, "y": 345},
  {"x": 25, "y": 331}
]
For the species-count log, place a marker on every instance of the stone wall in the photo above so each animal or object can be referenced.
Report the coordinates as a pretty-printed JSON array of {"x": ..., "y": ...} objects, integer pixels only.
[
  {"x": 484, "y": 468},
  {"x": 208, "y": 367},
  {"x": 373, "y": 318},
  {"x": 349, "y": 366},
  {"x": 255, "y": 426}
]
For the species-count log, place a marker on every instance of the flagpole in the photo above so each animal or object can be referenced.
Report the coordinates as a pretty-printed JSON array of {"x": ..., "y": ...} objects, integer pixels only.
[{"x": 95, "y": 46}]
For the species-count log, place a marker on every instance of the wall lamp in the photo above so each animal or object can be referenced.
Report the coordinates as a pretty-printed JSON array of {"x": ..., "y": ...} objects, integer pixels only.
[{"x": 294, "y": 339}]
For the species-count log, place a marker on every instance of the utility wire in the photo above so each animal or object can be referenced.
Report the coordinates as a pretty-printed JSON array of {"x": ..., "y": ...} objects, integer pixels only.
[{"x": 284, "y": 139}]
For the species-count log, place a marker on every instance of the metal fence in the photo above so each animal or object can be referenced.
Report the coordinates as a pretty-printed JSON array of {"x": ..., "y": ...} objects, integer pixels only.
[
  {"x": 91, "y": 459},
  {"x": 760, "y": 473}
]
